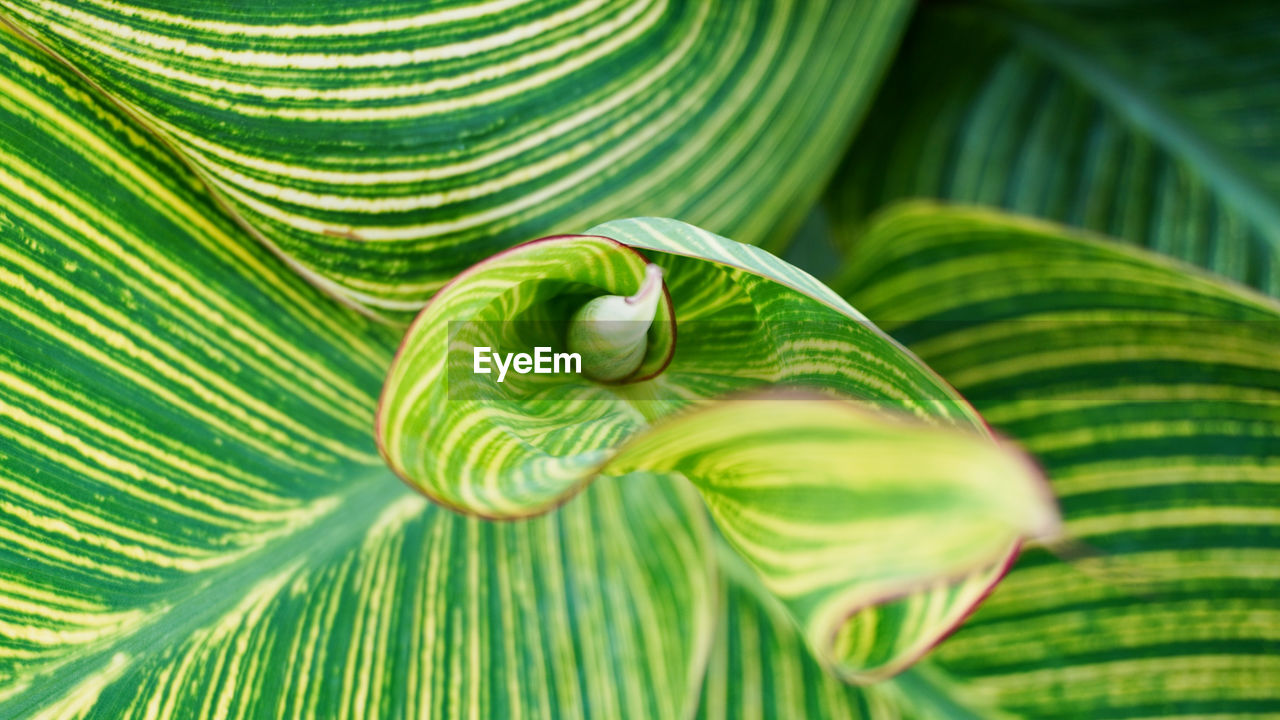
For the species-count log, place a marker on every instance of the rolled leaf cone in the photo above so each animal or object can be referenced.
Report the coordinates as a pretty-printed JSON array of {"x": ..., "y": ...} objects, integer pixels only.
[{"x": 865, "y": 495}]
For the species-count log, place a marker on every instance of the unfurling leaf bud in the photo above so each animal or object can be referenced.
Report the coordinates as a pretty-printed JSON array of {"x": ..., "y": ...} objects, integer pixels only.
[{"x": 611, "y": 332}]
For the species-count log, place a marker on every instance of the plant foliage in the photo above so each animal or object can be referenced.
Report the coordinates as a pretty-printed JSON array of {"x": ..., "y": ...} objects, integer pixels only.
[
  {"x": 384, "y": 147},
  {"x": 237, "y": 482}
]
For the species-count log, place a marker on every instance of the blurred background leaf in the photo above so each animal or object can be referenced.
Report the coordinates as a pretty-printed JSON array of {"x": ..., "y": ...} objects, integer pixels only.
[
  {"x": 1150, "y": 392},
  {"x": 1155, "y": 123}
]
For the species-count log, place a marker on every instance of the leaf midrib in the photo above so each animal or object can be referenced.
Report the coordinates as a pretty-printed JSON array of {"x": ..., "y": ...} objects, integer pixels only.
[{"x": 198, "y": 602}]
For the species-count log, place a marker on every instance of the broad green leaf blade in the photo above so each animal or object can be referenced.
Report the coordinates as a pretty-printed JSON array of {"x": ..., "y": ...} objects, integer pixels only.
[
  {"x": 194, "y": 520},
  {"x": 1152, "y": 123},
  {"x": 387, "y": 146},
  {"x": 1148, "y": 389},
  {"x": 875, "y": 547},
  {"x": 416, "y": 612}
]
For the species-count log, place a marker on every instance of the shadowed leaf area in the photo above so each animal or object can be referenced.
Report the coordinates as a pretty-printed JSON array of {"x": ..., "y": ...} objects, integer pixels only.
[{"x": 1150, "y": 122}]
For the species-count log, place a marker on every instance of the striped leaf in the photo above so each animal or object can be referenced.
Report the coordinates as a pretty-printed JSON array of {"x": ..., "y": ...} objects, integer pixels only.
[
  {"x": 877, "y": 513},
  {"x": 760, "y": 668},
  {"x": 876, "y": 547},
  {"x": 1154, "y": 123},
  {"x": 194, "y": 520},
  {"x": 384, "y": 147},
  {"x": 1150, "y": 392}
]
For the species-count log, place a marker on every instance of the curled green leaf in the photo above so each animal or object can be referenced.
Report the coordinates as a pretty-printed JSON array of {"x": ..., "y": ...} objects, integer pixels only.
[
  {"x": 866, "y": 495},
  {"x": 854, "y": 520}
]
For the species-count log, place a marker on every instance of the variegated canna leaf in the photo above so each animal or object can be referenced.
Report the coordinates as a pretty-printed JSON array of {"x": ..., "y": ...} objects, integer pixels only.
[
  {"x": 1154, "y": 123},
  {"x": 877, "y": 536},
  {"x": 385, "y": 147},
  {"x": 194, "y": 520},
  {"x": 1150, "y": 391},
  {"x": 828, "y": 497},
  {"x": 760, "y": 667}
]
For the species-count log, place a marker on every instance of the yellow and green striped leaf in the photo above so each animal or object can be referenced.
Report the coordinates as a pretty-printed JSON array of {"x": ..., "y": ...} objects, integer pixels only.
[
  {"x": 874, "y": 506},
  {"x": 760, "y": 668},
  {"x": 1150, "y": 392},
  {"x": 878, "y": 536},
  {"x": 384, "y": 147},
  {"x": 194, "y": 520},
  {"x": 1154, "y": 123}
]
